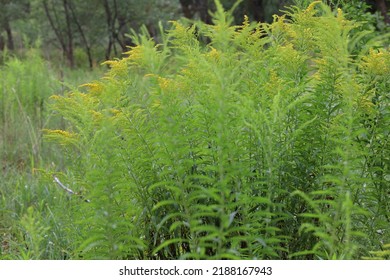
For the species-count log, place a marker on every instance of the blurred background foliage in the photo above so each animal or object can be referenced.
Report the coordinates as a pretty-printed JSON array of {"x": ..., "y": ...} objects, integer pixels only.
[{"x": 85, "y": 33}]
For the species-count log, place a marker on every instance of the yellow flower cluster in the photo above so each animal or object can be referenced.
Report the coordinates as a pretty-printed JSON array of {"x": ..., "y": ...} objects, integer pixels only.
[
  {"x": 214, "y": 54},
  {"x": 163, "y": 83},
  {"x": 118, "y": 67},
  {"x": 55, "y": 97},
  {"x": 183, "y": 36},
  {"x": 246, "y": 22},
  {"x": 95, "y": 87},
  {"x": 135, "y": 54},
  {"x": 274, "y": 84},
  {"x": 310, "y": 8},
  {"x": 62, "y": 136},
  {"x": 60, "y": 132},
  {"x": 377, "y": 62},
  {"x": 97, "y": 116}
]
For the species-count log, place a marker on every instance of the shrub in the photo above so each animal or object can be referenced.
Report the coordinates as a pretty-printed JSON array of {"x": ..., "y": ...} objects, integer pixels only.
[{"x": 269, "y": 142}]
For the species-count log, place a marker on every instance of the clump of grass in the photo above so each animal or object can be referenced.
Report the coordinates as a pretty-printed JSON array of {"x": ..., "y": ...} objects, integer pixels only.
[{"x": 29, "y": 200}]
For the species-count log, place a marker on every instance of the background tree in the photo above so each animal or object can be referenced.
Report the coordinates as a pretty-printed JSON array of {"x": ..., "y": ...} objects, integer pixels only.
[
  {"x": 382, "y": 6},
  {"x": 90, "y": 31},
  {"x": 11, "y": 11},
  {"x": 60, "y": 19}
]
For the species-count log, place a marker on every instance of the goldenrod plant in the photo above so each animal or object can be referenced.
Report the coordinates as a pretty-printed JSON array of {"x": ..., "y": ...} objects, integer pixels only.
[{"x": 257, "y": 141}]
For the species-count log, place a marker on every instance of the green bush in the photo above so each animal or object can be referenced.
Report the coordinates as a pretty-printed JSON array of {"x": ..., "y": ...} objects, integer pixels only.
[{"x": 270, "y": 142}]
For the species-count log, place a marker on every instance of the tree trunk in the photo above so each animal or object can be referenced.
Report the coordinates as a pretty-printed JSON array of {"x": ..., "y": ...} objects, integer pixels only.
[
  {"x": 382, "y": 7},
  {"x": 2, "y": 42},
  {"x": 192, "y": 7},
  {"x": 82, "y": 34},
  {"x": 69, "y": 49},
  {"x": 111, "y": 18},
  {"x": 10, "y": 38},
  {"x": 203, "y": 8},
  {"x": 107, "y": 11},
  {"x": 256, "y": 8},
  {"x": 187, "y": 8}
]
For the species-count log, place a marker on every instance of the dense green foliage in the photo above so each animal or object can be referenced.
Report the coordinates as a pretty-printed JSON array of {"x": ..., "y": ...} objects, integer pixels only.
[
  {"x": 257, "y": 141},
  {"x": 269, "y": 142}
]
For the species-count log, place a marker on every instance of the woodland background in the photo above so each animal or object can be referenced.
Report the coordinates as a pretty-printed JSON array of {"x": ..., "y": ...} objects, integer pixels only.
[{"x": 89, "y": 32}]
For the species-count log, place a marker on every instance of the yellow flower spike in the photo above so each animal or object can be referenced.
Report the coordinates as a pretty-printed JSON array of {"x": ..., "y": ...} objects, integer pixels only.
[
  {"x": 62, "y": 136},
  {"x": 93, "y": 87},
  {"x": 214, "y": 53},
  {"x": 55, "y": 97},
  {"x": 178, "y": 26},
  {"x": 340, "y": 14},
  {"x": 117, "y": 66},
  {"x": 97, "y": 116},
  {"x": 60, "y": 132},
  {"x": 163, "y": 83},
  {"x": 246, "y": 21},
  {"x": 310, "y": 8},
  {"x": 377, "y": 62},
  {"x": 135, "y": 53}
]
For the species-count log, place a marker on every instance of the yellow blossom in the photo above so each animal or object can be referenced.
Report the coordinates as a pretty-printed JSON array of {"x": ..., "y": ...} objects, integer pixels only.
[
  {"x": 163, "y": 83},
  {"x": 60, "y": 132},
  {"x": 97, "y": 116},
  {"x": 214, "y": 54},
  {"x": 55, "y": 97},
  {"x": 135, "y": 53},
  {"x": 310, "y": 8},
  {"x": 62, "y": 136},
  {"x": 377, "y": 62},
  {"x": 118, "y": 67},
  {"x": 246, "y": 21},
  {"x": 93, "y": 87}
]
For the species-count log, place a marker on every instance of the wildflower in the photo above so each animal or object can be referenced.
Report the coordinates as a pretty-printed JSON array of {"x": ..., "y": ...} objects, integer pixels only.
[
  {"x": 93, "y": 87},
  {"x": 163, "y": 83},
  {"x": 310, "y": 8},
  {"x": 62, "y": 136},
  {"x": 377, "y": 62},
  {"x": 135, "y": 54},
  {"x": 118, "y": 67},
  {"x": 214, "y": 54}
]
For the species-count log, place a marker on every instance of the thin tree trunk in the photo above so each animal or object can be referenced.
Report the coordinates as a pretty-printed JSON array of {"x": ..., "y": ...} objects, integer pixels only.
[
  {"x": 2, "y": 42},
  {"x": 69, "y": 53},
  {"x": 10, "y": 38},
  {"x": 110, "y": 20},
  {"x": 192, "y": 7},
  {"x": 56, "y": 30},
  {"x": 203, "y": 9},
  {"x": 187, "y": 8},
  {"x": 256, "y": 8},
  {"x": 382, "y": 7},
  {"x": 82, "y": 34}
]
